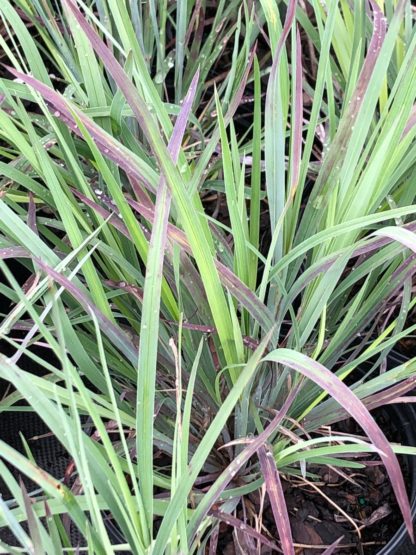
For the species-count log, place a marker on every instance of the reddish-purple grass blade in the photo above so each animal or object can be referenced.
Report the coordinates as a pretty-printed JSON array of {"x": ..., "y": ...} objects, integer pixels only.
[
  {"x": 140, "y": 193},
  {"x": 237, "y": 523},
  {"x": 409, "y": 399},
  {"x": 182, "y": 119},
  {"x": 107, "y": 145},
  {"x": 228, "y": 474},
  {"x": 377, "y": 39},
  {"x": 103, "y": 212},
  {"x": 353, "y": 405},
  {"x": 379, "y": 399},
  {"x": 246, "y": 297},
  {"x": 213, "y": 540},
  {"x": 148, "y": 212},
  {"x": 277, "y": 498},
  {"x": 163, "y": 197},
  {"x": 116, "y": 335},
  {"x": 136, "y": 103},
  {"x": 31, "y": 214},
  {"x": 14, "y": 252},
  {"x": 31, "y": 519},
  {"x": 411, "y": 121},
  {"x": 196, "y": 14},
  {"x": 290, "y": 15},
  {"x": 333, "y": 547}
]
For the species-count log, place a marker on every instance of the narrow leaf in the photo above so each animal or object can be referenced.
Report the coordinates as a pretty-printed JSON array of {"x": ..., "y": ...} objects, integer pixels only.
[
  {"x": 277, "y": 499},
  {"x": 350, "y": 402}
]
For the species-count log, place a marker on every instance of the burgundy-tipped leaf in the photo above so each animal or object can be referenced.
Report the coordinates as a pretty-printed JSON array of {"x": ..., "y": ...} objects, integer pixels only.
[
  {"x": 328, "y": 381},
  {"x": 333, "y": 547},
  {"x": 31, "y": 214},
  {"x": 233, "y": 468},
  {"x": 107, "y": 145},
  {"x": 277, "y": 498},
  {"x": 236, "y": 523}
]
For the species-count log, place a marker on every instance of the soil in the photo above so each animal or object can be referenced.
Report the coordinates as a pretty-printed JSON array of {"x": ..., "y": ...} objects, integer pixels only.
[{"x": 364, "y": 495}]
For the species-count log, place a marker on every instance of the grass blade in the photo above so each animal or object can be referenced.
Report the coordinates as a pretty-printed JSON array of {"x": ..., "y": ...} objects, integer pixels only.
[
  {"x": 195, "y": 226},
  {"x": 277, "y": 498},
  {"x": 149, "y": 329},
  {"x": 348, "y": 400}
]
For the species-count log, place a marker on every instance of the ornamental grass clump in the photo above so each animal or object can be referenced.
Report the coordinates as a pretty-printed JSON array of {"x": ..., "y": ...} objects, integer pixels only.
[{"x": 206, "y": 229}]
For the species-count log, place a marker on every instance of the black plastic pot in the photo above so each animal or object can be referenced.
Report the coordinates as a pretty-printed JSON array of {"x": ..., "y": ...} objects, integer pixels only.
[{"x": 404, "y": 417}]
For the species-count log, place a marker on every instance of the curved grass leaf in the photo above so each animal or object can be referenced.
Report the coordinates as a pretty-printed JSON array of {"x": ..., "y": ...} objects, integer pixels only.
[
  {"x": 236, "y": 523},
  {"x": 333, "y": 547},
  {"x": 400, "y": 234},
  {"x": 233, "y": 468},
  {"x": 350, "y": 402}
]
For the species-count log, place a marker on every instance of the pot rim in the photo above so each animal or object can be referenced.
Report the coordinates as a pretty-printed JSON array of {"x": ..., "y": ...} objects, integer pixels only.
[
  {"x": 409, "y": 427},
  {"x": 409, "y": 430}
]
